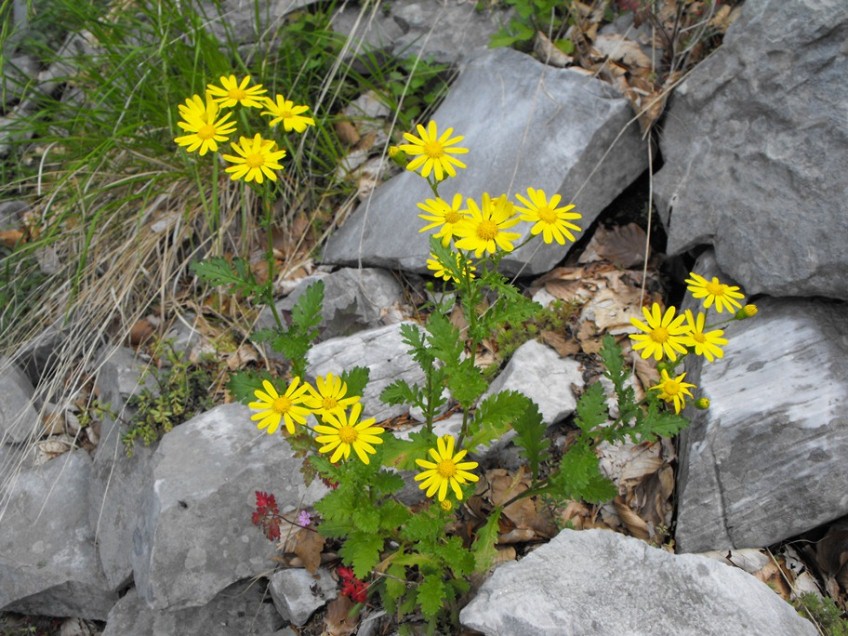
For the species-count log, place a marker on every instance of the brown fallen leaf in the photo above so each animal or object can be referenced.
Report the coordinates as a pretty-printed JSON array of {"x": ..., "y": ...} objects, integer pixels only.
[
  {"x": 617, "y": 48},
  {"x": 550, "y": 53},
  {"x": 10, "y": 238},
  {"x": 621, "y": 245},
  {"x": 337, "y": 620},
  {"x": 346, "y": 133},
  {"x": 140, "y": 332}
]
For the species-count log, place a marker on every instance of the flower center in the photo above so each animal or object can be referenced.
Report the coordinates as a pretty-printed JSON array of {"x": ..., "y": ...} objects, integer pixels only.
[
  {"x": 714, "y": 288},
  {"x": 348, "y": 434},
  {"x": 487, "y": 230},
  {"x": 286, "y": 113},
  {"x": 547, "y": 215},
  {"x": 282, "y": 404},
  {"x": 254, "y": 160},
  {"x": 433, "y": 149},
  {"x": 446, "y": 468},
  {"x": 671, "y": 387},
  {"x": 660, "y": 335},
  {"x": 237, "y": 94},
  {"x": 330, "y": 403},
  {"x": 453, "y": 217},
  {"x": 206, "y": 132},
  {"x": 697, "y": 336}
]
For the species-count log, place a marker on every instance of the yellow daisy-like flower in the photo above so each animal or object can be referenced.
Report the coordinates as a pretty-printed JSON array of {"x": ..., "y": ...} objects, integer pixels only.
[
  {"x": 713, "y": 291},
  {"x": 664, "y": 334},
  {"x": 274, "y": 408},
  {"x": 257, "y": 158},
  {"x": 442, "y": 215},
  {"x": 204, "y": 126},
  {"x": 551, "y": 222},
  {"x": 284, "y": 111},
  {"x": 446, "y": 469},
  {"x": 329, "y": 396},
  {"x": 232, "y": 92},
  {"x": 484, "y": 228},
  {"x": 440, "y": 271},
  {"x": 432, "y": 152},
  {"x": 340, "y": 432},
  {"x": 674, "y": 390},
  {"x": 705, "y": 344}
]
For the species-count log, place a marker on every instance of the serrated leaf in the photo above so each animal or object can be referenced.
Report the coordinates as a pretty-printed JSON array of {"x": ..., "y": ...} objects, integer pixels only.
[
  {"x": 431, "y": 594},
  {"x": 393, "y": 515},
  {"x": 386, "y": 483},
  {"x": 402, "y": 453},
  {"x": 356, "y": 380},
  {"x": 591, "y": 409},
  {"x": 237, "y": 276},
  {"x": 366, "y": 519},
  {"x": 530, "y": 431},
  {"x": 414, "y": 338},
  {"x": 483, "y": 547},
  {"x": 395, "y": 581},
  {"x": 400, "y": 392},
  {"x": 306, "y": 313},
  {"x": 455, "y": 556},
  {"x": 494, "y": 417},
  {"x": 465, "y": 382},
  {"x": 423, "y": 528},
  {"x": 362, "y": 551},
  {"x": 242, "y": 384},
  {"x": 579, "y": 476}
]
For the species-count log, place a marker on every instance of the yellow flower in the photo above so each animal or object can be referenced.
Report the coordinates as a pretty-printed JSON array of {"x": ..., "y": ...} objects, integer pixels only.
[
  {"x": 664, "y": 334},
  {"x": 446, "y": 469},
  {"x": 231, "y": 92},
  {"x": 705, "y": 344},
  {"x": 291, "y": 116},
  {"x": 440, "y": 271},
  {"x": 203, "y": 125},
  {"x": 673, "y": 390},
  {"x": 341, "y": 432},
  {"x": 329, "y": 397},
  {"x": 748, "y": 311},
  {"x": 552, "y": 222},
  {"x": 257, "y": 158},
  {"x": 483, "y": 229},
  {"x": 442, "y": 215},
  {"x": 274, "y": 408},
  {"x": 711, "y": 291},
  {"x": 432, "y": 153}
]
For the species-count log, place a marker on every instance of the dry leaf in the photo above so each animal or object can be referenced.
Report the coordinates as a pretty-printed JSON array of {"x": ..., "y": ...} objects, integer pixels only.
[
  {"x": 337, "y": 620},
  {"x": 140, "y": 332},
  {"x": 617, "y": 48},
  {"x": 621, "y": 245},
  {"x": 347, "y": 133},
  {"x": 308, "y": 545},
  {"x": 10, "y": 238},
  {"x": 565, "y": 347},
  {"x": 549, "y": 53},
  {"x": 633, "y": 522}
]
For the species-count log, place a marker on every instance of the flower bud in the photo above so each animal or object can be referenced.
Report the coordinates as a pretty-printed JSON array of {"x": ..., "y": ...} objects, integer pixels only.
[
  {"x": 702, "y": 403},
  {"x": 748, "y": 311},
  {"x": 446, "y": 505},
  {"x": 398, "y": 156}
]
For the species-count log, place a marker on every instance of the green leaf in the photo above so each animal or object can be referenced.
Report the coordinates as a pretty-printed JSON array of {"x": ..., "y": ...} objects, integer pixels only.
[
  {"x": 494, "y": 417},
  {"x": 395, "y": 581},
  {"x": 565, "y": 45},
  {"x": 431, "y": 593},
  {"x": 366, "y": 518},
  {"x": 414, "y": 337},
  {"x": 399, "y": 392},
  {"x": 393, "y": 515},
  {"x": 386, "y": 483},
  {"x": 465, "y": 382},
  {"x": 356, "y": 380},
  {"x": 455, "y": 556},
  {"x": 242, "y": 384},
  {"x": 530, "y": 437},
  {"x": 362, "y": 551},
  {"x": 402, "y": 453},
  {"x": 423, "y": 527},
  {"x": 306, "y": 313},
  {"x": 651, "y": 423},
  {"x": 579, "y": 476},
  {"x": 236, "y": 277},
  {"x": 592, "y": 409},
  {"x": 483, "y": 547}
]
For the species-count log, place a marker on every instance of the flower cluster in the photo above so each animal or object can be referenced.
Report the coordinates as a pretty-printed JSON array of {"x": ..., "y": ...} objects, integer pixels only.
[
  {"x": 352, "y": 587},
  {"x": 483, "y": 227},
  {"x": 671, "y": 335},
  {"x": 339, "y": 429},
  {"x": 207, "y": 123}
]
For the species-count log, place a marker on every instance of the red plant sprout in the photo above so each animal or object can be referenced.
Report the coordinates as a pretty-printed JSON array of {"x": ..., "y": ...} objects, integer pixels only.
[
  {"x": 352, "y": 587},
  {"x": 267, "y": 515}
]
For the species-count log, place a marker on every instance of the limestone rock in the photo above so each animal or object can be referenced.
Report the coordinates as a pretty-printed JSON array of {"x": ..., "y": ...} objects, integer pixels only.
[
  {"x": 240, "y": 609},
  {"x": 382, "y": 351},
  {"x": 48, "y": 561},
  {"x": 556, "y": 138},
  {"x": 755, "y": 146},
  {"x": 195, "y": 536},
  {"x": 18, "y": 418},
  {"x": 600, "y": 582},
  {"x": 297, "y": 593},
  {"x": 767, "y": 460}
]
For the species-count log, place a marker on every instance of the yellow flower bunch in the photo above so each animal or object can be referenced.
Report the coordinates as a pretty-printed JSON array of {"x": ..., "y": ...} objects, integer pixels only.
[
  {"x": 254, "y": 158},
  {"x": 667, "y": 334}
]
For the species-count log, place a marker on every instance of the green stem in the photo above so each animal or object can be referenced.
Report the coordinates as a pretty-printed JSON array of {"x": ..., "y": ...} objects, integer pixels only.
[{"x": 267, "y": 223}]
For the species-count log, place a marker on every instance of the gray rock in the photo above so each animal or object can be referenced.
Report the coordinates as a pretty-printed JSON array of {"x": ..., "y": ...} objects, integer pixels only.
[
  {"x": 445, "y": 32},
  {"x": 755, "y": 147},
  {"x": 382, "y": 351},
  {"x": 369, "y": 31},
  {"x": 354, "y": 299},
  {"x": 767, "y": 460},
  {"x": 600, "y": 582},
  {"x": 563, "y": 137},
  {"x": 18, "y": 418},
  {"x": 297, "y": 593},
  {"x": 242, "y": 609},
  {"x": 10, "y": 213},
  {"x": 541, "y": 374},
  {"x": 18, "y": 72},
  {"x": 48, "y": 561},
  {"x": 195, "y": 536}
]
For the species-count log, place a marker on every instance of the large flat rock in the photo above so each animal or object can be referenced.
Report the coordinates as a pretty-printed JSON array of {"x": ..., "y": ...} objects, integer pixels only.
[
  {"x": 526, "y": 125},
  {"x": 756, "y": 148}
]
